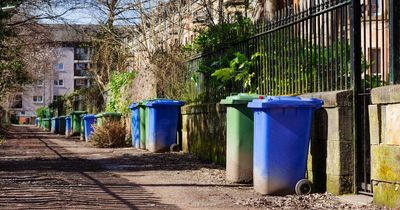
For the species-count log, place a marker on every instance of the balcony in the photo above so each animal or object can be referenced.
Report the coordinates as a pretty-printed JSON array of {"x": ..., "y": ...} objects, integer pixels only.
[{"x": 82, "y": 73}]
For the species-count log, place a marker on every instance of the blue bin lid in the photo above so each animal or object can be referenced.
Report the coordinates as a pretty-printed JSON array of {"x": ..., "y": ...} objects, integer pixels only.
[
  {"x": 286, "y": 101},
  {"x": 133, "y": 106},
  {"x": 89, "y": 116},
  {"x": 164, "y": 102}
]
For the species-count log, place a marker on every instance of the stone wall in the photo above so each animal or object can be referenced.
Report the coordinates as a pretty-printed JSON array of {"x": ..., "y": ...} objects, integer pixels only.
[
  {"x": 204, "y": 131},
  {"x": 331, "y": 158},
  {"x": 384, "y": 114}
]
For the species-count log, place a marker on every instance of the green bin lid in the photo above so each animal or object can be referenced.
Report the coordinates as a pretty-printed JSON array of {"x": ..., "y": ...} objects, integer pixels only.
[
  {"x": 105, "y": 114},
  {"x": 78, "y": 112},
  {"x": 241, "y": 98}
]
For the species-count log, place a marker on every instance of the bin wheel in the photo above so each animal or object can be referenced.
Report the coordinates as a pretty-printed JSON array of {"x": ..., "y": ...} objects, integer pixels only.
[
  {"x": 174, "y": 148},
  {"x": 303, "y": 187}
]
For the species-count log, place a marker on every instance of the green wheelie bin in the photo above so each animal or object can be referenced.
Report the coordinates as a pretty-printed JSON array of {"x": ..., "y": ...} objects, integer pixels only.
[
  {"x": 142, "y": 123},
  {"x": 239, "y": 137},
  {"x": 76, "y": 121},
  {"x": 46, "y": 124},
  {"x": 102, "y": 117}
]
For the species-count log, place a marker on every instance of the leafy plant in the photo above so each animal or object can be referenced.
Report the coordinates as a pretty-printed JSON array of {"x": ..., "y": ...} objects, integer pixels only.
[
  {"x": 115, "y": 100},
  {"x": 222, "y": 35},
  {"x": 42, "y": 112},
  {"x": 239, "y": 70}
]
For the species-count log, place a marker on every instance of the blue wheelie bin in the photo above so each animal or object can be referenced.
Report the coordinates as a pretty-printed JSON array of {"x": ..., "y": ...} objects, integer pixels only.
[
  {"x": 68, "y": 126},
  {"x": 135, "y": 125},
  {"x": 162, "y": 127},
  {"x": 89, "y": 121},
  {"x": 282, "y": 128},
  {"x": 55, "y": 121}
]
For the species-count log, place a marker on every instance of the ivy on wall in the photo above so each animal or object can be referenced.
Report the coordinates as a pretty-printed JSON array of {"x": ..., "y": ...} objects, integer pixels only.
[{"x": 116, "y": 102}]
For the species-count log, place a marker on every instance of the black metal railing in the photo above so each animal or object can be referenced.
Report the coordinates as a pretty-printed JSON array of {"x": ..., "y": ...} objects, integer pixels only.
[
  {"x": 303, "y": 49},
  {"x": 320, "y": 45}
]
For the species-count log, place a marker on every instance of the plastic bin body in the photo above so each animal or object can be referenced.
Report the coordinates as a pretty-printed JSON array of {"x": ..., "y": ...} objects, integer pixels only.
[
  {"x": 61, "y": 125},
  {"x": 239, "y": 138},
  {"x": 68, "y": 126},
  {"x": 135, "y": 125},
  {"x": 101, "y": 117},
  {"x": 89, "y": 121},
  {"x": 282, "y": 127},
  {"x": 38, "y": 122},
  {"x": 162, "y": 127},
  {"x": 82, "y": 129},
  {"x": 52, "y": 121},
  {"x": 46, "y": 124},
  {"x": 55, "y": 121},
  {"x": 142, "y": 125},
  {"x": 76, "y": 121}
]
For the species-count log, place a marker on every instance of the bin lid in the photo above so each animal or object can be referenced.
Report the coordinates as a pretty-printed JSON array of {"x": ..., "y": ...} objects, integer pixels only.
[
  {"x": 134, "y": 105},
  {"x": 164, "y": 102},
  {"x": 241, "y": 98},
  {"x": 89, "y": 116},
  {"x": 105, "y": 114},
  {"x": 78, "y": 112},
  {"x": 62, "y": 117},
  {"x": 286, "y": 101}
]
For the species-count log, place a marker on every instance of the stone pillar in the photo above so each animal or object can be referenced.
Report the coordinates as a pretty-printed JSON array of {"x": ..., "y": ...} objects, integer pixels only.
[
  {"x": 331, "y": 157},
  {"x": 384, "y": 114}
]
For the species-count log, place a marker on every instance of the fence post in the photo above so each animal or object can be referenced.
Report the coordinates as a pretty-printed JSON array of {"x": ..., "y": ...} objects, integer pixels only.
[
  {"x": 394, "y": 27},
  {"x": 355, "y": 46}
]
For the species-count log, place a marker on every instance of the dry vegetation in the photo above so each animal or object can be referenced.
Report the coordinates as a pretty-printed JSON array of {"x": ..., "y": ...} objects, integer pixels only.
[{"x": 111, "y": 134}]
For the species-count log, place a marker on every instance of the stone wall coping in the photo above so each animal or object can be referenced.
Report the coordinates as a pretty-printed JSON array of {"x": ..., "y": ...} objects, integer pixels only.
[
  {"x": 386, "y": 95},
  {"x": 341, "y": 98},
  {"x": 203, "y": 108}
]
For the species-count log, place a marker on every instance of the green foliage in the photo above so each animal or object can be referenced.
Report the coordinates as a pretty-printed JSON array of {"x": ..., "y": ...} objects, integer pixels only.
[
  {"x": 59, "y": 106},
  {"x": 13, "y": 75},
  {"x": 43, "y": 112},
  {"x": 219, "y": 36},
  {"x": 239, "y": 70},
  {"x": 116, "y": 101}
]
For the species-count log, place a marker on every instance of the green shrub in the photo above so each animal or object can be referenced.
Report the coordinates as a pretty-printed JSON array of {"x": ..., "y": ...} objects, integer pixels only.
[{"x": 111, "y": 134}]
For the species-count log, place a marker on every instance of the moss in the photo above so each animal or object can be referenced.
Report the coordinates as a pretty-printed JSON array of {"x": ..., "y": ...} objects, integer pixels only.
[{"x": 386, "y": 194}]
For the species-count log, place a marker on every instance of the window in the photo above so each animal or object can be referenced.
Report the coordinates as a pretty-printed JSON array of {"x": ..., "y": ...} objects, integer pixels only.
[
  {"x": 375, "y": 60},
  {"x": 60, "y": 67},
  {"x": 375, "y": 8},
  {"x": 37, "y": 99},
  {"x": 80, "y": 82},
  {"x": 59, "y": 83},
  {"x": 17, "y": 102},
  {"x": 81, "y": 66},
  {"x": 39, "y": 83},
  {"x": 81, "y": 53}
]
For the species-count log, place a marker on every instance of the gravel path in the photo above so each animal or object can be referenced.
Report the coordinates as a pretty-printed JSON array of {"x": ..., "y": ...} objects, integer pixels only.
[{"x": 41, "y": 170}]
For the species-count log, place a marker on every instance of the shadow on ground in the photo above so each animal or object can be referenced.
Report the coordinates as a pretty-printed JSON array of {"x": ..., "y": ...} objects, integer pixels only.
[{"x": 36, "y": 173}]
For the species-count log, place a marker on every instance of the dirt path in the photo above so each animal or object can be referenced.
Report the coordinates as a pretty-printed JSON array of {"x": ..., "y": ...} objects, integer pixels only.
[{"x": 41, "y": 170}]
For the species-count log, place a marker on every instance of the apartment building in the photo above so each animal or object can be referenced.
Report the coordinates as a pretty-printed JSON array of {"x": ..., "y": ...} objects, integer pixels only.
[{"x": 68, "y": 72}]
